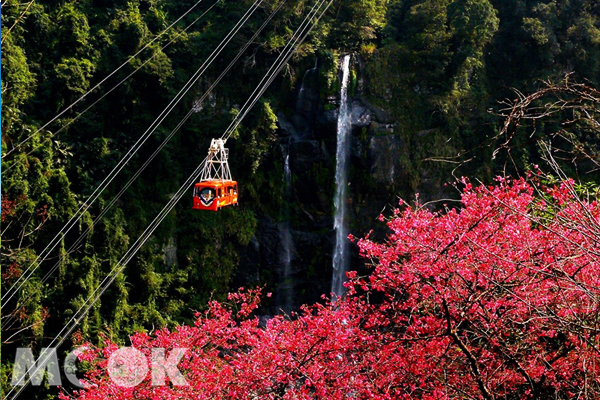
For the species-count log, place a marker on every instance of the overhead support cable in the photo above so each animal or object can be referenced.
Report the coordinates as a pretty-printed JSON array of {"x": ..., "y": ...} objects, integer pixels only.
[
  {"x": 18, "y": 145},
  {"x": 6, "y": 297},
  {"x": 297, "y": 38},
  {"x": 132, "y": 251},
  {"x": 16, "y": 21},
  {"x": 74, "y": 246}
]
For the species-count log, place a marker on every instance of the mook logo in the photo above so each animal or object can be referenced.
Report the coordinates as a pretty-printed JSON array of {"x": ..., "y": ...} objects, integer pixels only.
[{"x": 126, "y": 367}]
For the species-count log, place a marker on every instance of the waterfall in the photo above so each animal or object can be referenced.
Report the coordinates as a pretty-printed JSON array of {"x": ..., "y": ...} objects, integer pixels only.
[
  {"x": 287, "y": 242},
  {"x": 300, "y": 99},
  {"x": 340, "y": 255}
]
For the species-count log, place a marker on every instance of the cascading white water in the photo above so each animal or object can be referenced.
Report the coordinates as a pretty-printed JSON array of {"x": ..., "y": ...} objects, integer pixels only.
[
  {"x": 301, "y": 93},
  {"x": 302, "y": 86},
  {"x": 287, "y": 242},
  {"x": 341, "y": 255}
]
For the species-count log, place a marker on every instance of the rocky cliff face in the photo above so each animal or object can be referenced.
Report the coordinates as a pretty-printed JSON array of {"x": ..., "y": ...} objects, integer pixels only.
[{"x": 376, "y": 172}]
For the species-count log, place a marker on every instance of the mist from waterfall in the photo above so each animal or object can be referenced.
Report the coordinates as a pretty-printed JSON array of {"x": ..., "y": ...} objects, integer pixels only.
[{"x": 341, "y": 256}]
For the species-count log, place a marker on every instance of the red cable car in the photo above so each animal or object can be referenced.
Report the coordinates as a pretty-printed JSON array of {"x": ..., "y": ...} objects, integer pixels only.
[
  {"x": 212, "y": 195},
  {"x": 216, "y": 189}
]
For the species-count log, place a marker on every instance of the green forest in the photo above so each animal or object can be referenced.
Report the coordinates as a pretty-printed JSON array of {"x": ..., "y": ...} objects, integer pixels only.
[{"x": 453, "y": 88}]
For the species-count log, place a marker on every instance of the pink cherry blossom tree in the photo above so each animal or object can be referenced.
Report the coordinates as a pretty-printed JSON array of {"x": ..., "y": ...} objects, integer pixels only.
[{"x": 498, "y": 298}]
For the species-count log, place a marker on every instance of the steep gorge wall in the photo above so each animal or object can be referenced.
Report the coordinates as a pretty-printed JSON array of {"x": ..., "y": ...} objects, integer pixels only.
[{"x": 379, "y": 171}]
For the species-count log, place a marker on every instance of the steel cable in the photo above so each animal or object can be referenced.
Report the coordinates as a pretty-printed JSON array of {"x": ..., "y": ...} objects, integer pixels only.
[
  {"x": 6, "y": 297},
  {"x": 118, "y": 268},
  {"x": 106, "y": 78},
  {"x": 151, "y": 158}
]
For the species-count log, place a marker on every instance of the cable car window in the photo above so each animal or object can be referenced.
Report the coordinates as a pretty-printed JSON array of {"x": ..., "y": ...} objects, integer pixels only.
[{"x": 207, "y": 196}]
